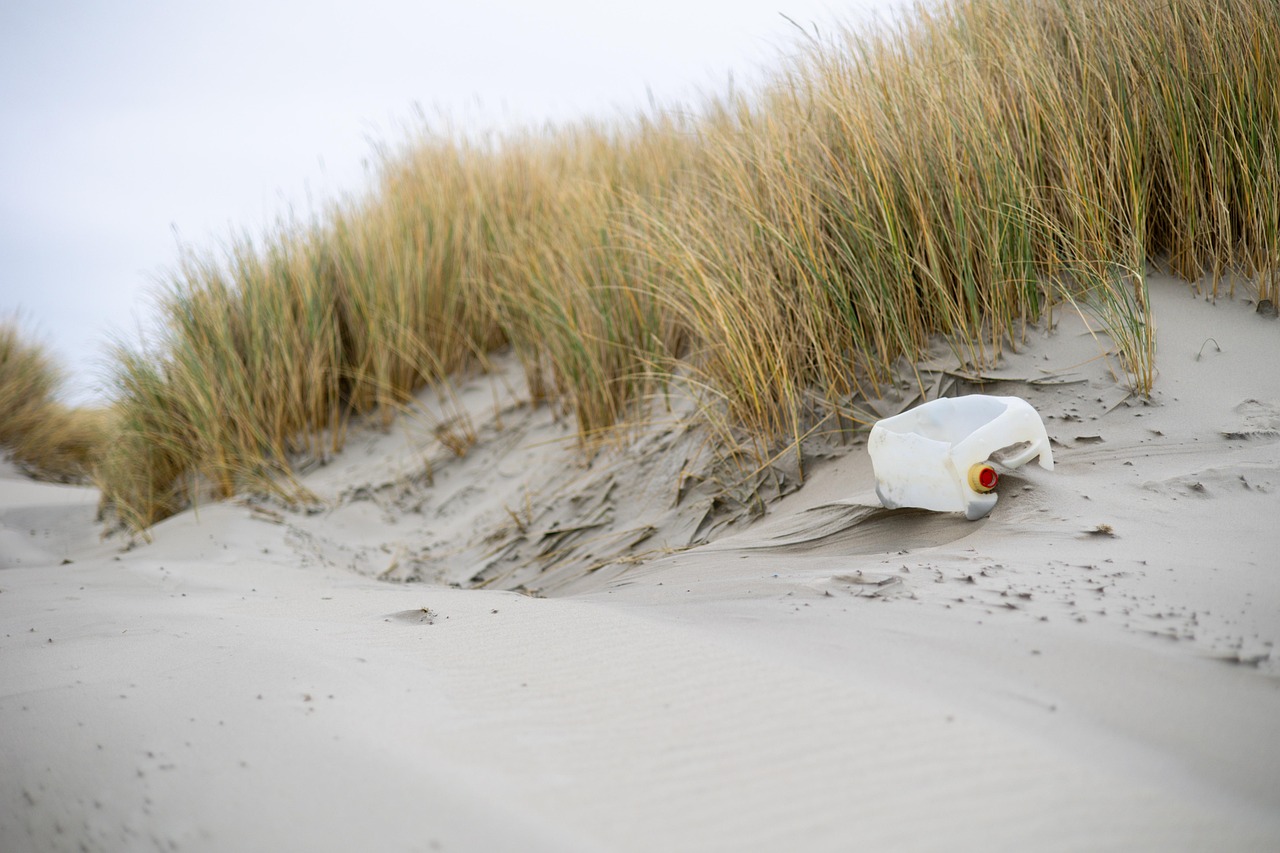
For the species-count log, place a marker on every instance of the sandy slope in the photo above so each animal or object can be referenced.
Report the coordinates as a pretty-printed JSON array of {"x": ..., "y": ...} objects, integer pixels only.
[{"x": 832, "y": 677}]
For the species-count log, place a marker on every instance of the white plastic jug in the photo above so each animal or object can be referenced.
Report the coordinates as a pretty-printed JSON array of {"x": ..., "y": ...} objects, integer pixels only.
[{"x": 935, "y": 455}]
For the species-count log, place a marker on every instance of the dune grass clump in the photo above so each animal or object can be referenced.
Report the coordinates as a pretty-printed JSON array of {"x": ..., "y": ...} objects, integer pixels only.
[
  {"x": 955, "y": 173},
  {"x": 45, "y": 437}
]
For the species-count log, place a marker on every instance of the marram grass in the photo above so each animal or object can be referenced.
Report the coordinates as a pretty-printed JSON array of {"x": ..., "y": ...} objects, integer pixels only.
[
  {"x": 45, "y": 437},
  {"x": 955, "y": 173}
]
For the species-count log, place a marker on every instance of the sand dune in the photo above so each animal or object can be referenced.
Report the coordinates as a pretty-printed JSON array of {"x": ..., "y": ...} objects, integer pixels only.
[{"x": 1093, "y": 666}]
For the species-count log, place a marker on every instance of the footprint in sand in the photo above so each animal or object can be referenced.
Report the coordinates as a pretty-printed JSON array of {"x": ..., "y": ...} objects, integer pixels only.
[{"x": 1256, "y": 420}]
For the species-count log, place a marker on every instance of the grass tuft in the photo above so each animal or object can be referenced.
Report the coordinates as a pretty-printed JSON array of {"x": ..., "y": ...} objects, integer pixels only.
[{"x": 46, "y": 438}]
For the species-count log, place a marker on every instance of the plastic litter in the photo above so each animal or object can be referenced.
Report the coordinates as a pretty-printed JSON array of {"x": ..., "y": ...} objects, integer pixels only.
[{"x": 935, "y": 456}]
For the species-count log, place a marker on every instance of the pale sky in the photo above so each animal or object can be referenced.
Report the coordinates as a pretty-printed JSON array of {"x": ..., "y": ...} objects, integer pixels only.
[{"x": 126, "y": 125}]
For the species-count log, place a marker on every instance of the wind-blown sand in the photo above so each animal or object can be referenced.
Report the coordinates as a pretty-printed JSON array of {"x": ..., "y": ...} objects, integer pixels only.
[{"x": 1091, "y": 667}]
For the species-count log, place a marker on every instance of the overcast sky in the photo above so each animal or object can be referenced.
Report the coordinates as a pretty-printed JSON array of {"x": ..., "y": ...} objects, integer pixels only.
[{"x": 125, "y": 126}]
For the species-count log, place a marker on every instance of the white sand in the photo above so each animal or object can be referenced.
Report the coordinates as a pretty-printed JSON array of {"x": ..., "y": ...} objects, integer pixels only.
[{"x": 833, "y": 677}]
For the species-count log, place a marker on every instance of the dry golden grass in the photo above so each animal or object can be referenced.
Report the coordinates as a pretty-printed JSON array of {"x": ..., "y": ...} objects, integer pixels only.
[
  {"x": 954, "y": 174},
  {"x": 48, "y": 439}
]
